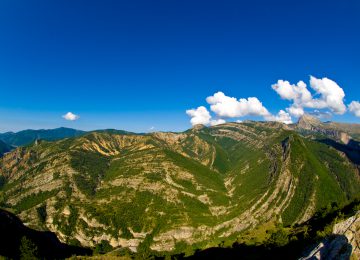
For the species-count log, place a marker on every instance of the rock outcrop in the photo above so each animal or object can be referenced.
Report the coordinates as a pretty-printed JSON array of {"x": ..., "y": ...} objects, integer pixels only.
[
  {"x": 342, "y": 244},
  {"x": 308, "y": 123}
]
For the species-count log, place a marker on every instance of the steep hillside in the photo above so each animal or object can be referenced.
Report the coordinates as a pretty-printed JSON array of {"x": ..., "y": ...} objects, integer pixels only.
[
  {"x": 4, "y": 148},
  {"x": 171, "y": 191},
  {"x": 26, "y": 137},
  {"x": 341, "y": 132},
  {"x": 17, "y": 240}
]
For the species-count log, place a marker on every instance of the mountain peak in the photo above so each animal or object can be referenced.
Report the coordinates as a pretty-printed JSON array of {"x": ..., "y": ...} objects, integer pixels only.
[
  {"x": 198, "y": 127},
  {"x": 308, "y": 121},
  {"x": 309, "y": 118}
]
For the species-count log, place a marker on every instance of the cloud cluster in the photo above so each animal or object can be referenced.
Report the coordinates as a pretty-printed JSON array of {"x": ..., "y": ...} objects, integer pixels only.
[
  {"x": 202, "y": 116},
  {"x": 282, "y": 116},
  {"x": 328, "y": 95},
  {"x": 70, "y": 116},
  {"x": 321, "y": 114},
  {"x": 230, "y": 107},
  {"x": 354, "y": 108},
  {"x": 199, "y": 115},
  {"x": 225, "y": 106},
  {"x": 324, "y": 96},
  {"x": 217, "y": 121}
]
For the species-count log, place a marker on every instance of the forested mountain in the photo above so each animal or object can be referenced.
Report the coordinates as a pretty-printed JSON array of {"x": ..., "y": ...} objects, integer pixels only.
[
  {"x": 174, "y": 192},
  {"x": 4, "y": 148},
  {"x": 26, "y": 137}
]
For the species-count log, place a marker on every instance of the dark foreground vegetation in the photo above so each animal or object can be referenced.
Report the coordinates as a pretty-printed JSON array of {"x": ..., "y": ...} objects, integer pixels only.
[
  {"x": 20, "y": 242},
  {"x": 286, "y": 242}
]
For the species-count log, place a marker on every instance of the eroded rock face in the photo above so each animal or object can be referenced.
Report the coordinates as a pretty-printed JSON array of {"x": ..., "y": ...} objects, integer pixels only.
[
  {"x": 350, "y": 228},
  {"x": 312, "y": 124},
  {"x": 343, "y": 244}
]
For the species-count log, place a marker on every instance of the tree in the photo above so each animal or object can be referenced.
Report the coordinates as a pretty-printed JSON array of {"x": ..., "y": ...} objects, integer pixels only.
[
  {"x": 103, "y": 247},
  {"x": 279, "y": 237},
  {"x": 28, "y": 249}
]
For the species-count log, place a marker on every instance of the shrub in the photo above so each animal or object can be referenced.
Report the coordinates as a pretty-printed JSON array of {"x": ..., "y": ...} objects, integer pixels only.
[{"x": 28, "y": 249}]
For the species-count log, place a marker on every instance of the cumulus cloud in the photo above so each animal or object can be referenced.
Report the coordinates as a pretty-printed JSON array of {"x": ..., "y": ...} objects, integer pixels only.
[
  {"x": 199, "y": 115},
  {"x": 354, "y": 108},
  {"x": 225, "y": 106},
  {"x": 282, "y": 117},
  {"x": 298, "y": 93},
  {"x": 321, "y": 114},
  {"x": 323, "y": 95},
  {"x": 331, "y": 95},
  {"x": 231, "y": 107},
  {"x": 70, "y": 116},
  {"x": 295, "y": 111},
  {"x": 217, "y": 122}
]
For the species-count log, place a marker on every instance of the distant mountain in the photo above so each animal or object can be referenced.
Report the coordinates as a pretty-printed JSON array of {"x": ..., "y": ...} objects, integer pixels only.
[
  {"x": 115, "y": 131},
  {"x": 343, "y": 132},
  {"x": 26, "y": 137},
  {"x": 4, "y": 148},
  {"x": 180, "y": 191}
]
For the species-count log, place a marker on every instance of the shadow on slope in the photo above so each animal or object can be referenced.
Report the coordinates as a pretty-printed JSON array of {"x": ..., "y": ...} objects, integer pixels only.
[
  {"x": 352, "y": 149},
  {"x": 334, "y": 247},
  {"x": 306, "y": 240},
  {"x": 13, "y": 232}
]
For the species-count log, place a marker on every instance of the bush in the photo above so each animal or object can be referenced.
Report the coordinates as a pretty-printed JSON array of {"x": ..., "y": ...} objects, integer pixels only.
[
  {"x": 28, "y": 249},
  {"x": 103, "y": 248},
  {"x": 279, "y": 238}
]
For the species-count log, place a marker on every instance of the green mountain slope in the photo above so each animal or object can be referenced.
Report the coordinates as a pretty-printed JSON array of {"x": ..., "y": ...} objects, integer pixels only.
[
  {"x": 169, "y": 191},
  {"x": 4, "y": 148},
  {"x": 26, "y": 137}
]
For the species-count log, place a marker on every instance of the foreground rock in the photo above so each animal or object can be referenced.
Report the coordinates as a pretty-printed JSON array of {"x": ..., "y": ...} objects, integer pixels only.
[{"x": 343, "y": 244}]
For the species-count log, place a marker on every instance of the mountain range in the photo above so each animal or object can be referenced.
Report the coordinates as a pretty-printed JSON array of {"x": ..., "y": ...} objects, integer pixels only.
[
  {"x": 175, "y": 192},
  {"x": 27, "y": 137},
  {"x": 4, "y": 148}
]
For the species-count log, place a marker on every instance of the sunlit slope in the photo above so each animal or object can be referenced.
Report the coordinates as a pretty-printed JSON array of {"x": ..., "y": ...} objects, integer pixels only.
[{"x": 163, "y": 189}]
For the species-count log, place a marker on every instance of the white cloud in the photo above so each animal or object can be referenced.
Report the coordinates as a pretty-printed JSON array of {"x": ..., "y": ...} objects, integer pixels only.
[
  {"x": 354, "y": 107},
  {"x": 217, "y": 122},
  {"x": 298, "y": 93},
  {"x": 321, "y": 115},
  {"x": 295, "y": 111},
  {"x": 70, "y": 116},
  {"x": 225, "y": 106},
  {"x": 326, "y": 95},
  {"x": 199, "y": 115},
  {"x": 282, "y": 117},
  {"x": 331, "y": 95}
]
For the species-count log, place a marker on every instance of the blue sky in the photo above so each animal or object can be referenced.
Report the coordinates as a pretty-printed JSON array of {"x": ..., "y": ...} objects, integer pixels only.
[{"x": 139, "y": 64}]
